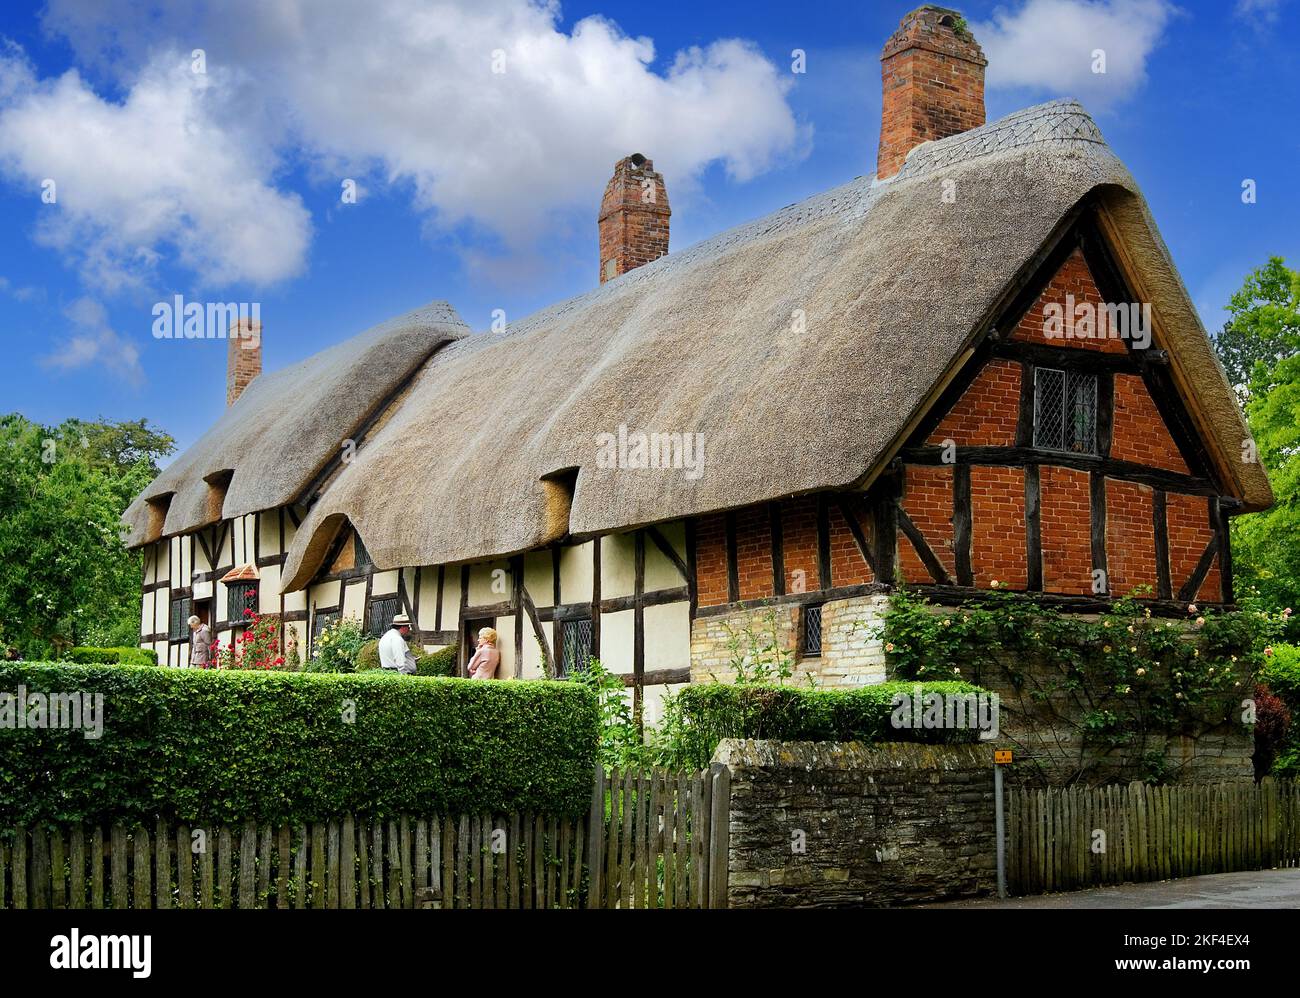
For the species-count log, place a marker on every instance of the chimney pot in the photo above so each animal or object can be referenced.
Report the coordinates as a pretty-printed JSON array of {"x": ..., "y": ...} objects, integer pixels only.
[
  {"x": 633, "y": 218},
  {"x": 932, "y": 44}
]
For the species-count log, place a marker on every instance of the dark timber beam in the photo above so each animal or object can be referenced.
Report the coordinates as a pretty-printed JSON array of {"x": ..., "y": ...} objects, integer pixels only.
[
  {"x": 928, "y": 558},
  {"x": 1160, "y": 525},
  {"x": 1024, "y": 456}
]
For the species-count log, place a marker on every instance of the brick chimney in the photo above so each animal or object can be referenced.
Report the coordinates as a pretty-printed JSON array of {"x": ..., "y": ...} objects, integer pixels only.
[
  {"x": 932, "y": 81},
  {"x": 633, "y": 217},
  {"x": 243, "y": 357}
]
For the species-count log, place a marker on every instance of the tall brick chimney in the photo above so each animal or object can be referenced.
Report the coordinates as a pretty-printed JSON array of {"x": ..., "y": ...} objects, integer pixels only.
[
  {"x": 932, "y": 81},
  {"x": 633, "y": 217},
  {"x": 243, "y": 357}
]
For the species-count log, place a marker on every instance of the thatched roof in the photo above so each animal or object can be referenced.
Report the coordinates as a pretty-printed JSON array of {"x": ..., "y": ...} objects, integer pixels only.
[
  {"x": 892, "y": 283},
  {"x": 287, "y": 426}
]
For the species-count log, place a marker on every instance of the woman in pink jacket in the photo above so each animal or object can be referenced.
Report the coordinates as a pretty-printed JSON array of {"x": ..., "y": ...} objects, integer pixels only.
[{"x": 486, "y": 658}]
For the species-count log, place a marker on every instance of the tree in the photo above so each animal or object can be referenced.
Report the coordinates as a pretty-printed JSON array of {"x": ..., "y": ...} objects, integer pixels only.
[
  {"x": 1262, "y": 356},
  {"x": 1265, "y": 324},
  {"x": 65, "y": 575}
]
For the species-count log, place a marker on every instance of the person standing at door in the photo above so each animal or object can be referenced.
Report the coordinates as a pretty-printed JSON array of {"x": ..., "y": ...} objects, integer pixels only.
[
  {"x": 486, "y": 657},
  {"x": 200, "y": 644}
]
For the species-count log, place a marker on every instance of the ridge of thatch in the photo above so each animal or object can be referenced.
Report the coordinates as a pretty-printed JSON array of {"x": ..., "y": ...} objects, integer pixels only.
[
  {"x": 286, "y": 426},
  {"x": 801, "y": 346},
  {"x": 888, "y": 282}
]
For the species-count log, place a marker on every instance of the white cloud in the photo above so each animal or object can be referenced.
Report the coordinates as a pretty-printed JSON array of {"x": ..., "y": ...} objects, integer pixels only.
[
  {"x": 401, "y": 93},
  {"x": 93, "y": 342},
  {"x": 1259, "y": 12},
  {"x": 1049, "y": 46},
  {"x": 153, "y": 174}
]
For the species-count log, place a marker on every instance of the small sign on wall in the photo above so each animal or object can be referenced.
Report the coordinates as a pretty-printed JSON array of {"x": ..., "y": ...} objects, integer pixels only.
[{"x": 1002, "y": 756}]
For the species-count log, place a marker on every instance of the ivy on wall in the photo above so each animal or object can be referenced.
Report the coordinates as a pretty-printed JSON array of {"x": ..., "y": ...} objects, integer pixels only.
[{"x": 1118, "y": 683}]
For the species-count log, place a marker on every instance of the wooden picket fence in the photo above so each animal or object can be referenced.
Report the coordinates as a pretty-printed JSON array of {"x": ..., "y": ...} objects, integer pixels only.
[
  {"x": 648, "y": 832},
  {"x": 1065, "y": 839},
  {"x": 659, "y": 839}
]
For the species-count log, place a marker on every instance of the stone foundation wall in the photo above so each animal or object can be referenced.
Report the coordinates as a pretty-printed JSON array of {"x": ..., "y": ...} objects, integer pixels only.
[
  {"x": 822, "y": 824},
  {"x": 851, "y": 655}
]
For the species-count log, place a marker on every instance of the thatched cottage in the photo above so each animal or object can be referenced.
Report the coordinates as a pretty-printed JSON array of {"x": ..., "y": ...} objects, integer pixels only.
[{"x": 930, "y": 376}]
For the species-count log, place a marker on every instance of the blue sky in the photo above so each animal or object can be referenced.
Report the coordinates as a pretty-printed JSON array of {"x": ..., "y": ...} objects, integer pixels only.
[{"x": 482, "y": 189}]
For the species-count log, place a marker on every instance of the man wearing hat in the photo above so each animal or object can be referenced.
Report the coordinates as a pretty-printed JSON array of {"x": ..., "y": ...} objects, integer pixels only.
[{"x": 394, "y": 653}]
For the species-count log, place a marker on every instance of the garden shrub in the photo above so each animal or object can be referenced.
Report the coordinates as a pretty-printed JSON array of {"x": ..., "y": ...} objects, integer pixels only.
[
  {"x": 368, "y": 656},
  {"x": 338, "y": 647},
  {"x": 1280, "y": 674},
  {"x": 112, "y": 656},
  {"x": 439, "y": 663},
  {"x": 206, "y": 746},
  {"x": 700, "y": 716}
]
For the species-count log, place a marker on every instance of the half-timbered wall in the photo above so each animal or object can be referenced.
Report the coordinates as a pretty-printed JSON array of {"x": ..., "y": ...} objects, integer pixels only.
[{"x": 633, "y": 588}]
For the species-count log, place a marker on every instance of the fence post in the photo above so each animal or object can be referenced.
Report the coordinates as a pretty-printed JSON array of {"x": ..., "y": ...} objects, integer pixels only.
[
  {"x": 719, "y": 835},
  {"x": 596, "y": 838}
]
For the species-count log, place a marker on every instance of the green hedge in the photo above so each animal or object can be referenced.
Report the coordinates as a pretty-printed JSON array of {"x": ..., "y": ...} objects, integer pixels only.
[
  {"x": 205, "y": 746},
  {"x": 714, "y": 711},
  {"x": 112, "y": 656},
  {"x": 439, "y": 663}
]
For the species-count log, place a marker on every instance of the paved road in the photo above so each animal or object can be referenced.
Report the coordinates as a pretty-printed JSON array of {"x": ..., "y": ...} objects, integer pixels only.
[{"x": 1254, "y": 889}]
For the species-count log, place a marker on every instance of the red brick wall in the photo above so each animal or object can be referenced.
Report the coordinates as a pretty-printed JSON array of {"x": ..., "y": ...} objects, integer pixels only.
[
  {"x": 1140, "y": 434},
  {"x": 1074, "y": 278},
  {"x": 754, "y": 552},
  {"x": 711, "y": 560},
  {"x": 927, "y": 498},
  {"x": 1066, "y": 530},
  {"x": 1188, "y": 518},
  {"x": 998, "y": 527},
  {"x": 848, "y": 567},
  {"x": 1130, "y": 537},
  {"x": 988, "y": 410},
  {"x": 799, "y": 542}
]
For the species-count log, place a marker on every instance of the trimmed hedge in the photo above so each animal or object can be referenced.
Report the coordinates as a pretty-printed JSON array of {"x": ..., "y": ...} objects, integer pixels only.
[
  {"x": 439, "y": 663},
  {"x": 112, "y": 656},
  {"x": 711, "y": 712},
  {"x": 207, "y": 746}
]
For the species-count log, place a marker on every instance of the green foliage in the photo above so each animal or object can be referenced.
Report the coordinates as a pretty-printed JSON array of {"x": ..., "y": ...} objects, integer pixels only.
[
  {"x": 68, "y": 579},
  {"x": 759, "y": 655},
  {"x": 1281, "y": 675},
  {"x": 1264, "y": 327},
  {"x": 1260, "y": 349},
  {"x": 709, "y": 712},
  {"x": 111, "y": 656},
  {"x": 621, "y": 744},
  {"x": 205, "y": 746},
  {"x": 257, "y": 647},
  {"x": 439, "y": 663},
  {"x": 368, "y": 656},
  {"x": 1121, "y": 678},
  {"x": 338, "y": 647}
]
